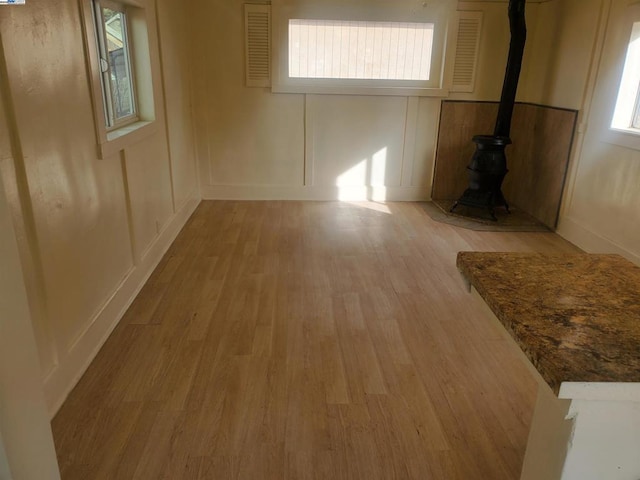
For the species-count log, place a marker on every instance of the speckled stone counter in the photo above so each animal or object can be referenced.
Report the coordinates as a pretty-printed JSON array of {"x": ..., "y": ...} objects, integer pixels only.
[{"x": 576, "y": 317}]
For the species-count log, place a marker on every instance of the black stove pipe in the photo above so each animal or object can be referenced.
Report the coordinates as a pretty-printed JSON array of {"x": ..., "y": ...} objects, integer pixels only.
[
  {"x": 518, "y": 29},
  {"x": 488, "y": 165}
]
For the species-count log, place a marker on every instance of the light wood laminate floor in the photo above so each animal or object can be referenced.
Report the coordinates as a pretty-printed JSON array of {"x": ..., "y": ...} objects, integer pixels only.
[{"x": 306, "y": 340}]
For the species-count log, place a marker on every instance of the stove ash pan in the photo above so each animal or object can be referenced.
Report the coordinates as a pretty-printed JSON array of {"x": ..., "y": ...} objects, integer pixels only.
[{"x": 486, "y": 171}]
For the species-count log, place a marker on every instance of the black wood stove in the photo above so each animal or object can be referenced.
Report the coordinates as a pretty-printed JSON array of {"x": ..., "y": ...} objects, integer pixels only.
[{"x": 488, "y": 166}]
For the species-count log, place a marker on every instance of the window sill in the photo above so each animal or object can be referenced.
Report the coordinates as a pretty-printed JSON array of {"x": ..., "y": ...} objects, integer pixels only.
[
  {"x": 362, "y": 90},
  {"x": 119, "y": 139},
  {"x": 623, "y": 138}
]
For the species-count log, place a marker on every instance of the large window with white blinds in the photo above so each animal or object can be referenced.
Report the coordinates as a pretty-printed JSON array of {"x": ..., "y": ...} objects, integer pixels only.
[
  {"x": 360, "y": 50},
  {"x": 347, "y": 47}
]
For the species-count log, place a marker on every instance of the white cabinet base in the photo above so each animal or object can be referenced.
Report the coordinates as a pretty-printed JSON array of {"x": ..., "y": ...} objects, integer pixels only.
[
  {"x": 590, "y": 431},
  {"x": 549, "y": 437},
  {"x": 606, "y": 434}
]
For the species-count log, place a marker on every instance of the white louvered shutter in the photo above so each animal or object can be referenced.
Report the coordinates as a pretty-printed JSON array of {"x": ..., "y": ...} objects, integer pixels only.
[
  {"x": 257, "y": 20},
  {"x": 467, "y": 46}
]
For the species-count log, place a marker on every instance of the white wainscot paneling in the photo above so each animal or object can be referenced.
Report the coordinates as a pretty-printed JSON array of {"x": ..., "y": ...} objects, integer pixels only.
[
  {"x": 355, "y": 143},
  {"x": 255, "y": 139},
  {"x": 149, "y": 192},
  {"x": 426, "y": 138}
]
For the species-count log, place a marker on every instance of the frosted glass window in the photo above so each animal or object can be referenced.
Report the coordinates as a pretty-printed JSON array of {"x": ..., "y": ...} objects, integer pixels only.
[{"x": 360, "y": 50}]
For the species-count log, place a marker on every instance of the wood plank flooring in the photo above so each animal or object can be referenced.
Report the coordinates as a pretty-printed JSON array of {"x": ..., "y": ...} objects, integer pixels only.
[{"x": 305, "y": 340}]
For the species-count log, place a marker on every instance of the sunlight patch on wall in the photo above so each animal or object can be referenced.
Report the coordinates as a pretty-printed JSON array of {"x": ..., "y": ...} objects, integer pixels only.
[
  {"x": 365, "y": 180},
  {"x": 379, "y": 168},
  {"x": 354, "y": 177}
]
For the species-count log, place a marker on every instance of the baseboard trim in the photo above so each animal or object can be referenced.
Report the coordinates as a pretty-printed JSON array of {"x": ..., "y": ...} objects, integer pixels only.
[
  {"x": 59, "y": 383},
  {"x": 590, "y": 241},
  {"x": 330, "y": 193}
]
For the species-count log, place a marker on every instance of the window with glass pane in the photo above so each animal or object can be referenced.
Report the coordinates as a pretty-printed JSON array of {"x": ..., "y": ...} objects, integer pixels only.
[
  {"x": 635, "y": 121},
  {"x": 115, "y": 64},
  {"x": 360, "y": 50}
]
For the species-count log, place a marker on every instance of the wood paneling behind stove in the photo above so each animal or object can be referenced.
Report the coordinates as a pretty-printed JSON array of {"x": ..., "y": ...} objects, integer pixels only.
[{"x": 537, "y": 160}]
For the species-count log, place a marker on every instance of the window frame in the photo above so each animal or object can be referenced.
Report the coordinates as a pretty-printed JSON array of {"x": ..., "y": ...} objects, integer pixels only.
[
  {"x": 144, "y": 65},
  {"x": 107, "y": 91},
  {"x": 441, "y": 14},
  {"x": 616, "y": 49},
  {"x": 624, "y": 115},
  {"x": 403, "y": 27}
]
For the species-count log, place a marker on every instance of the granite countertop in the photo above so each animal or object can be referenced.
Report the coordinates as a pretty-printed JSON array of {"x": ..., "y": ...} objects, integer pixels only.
[{"x": 575, "y": 316}]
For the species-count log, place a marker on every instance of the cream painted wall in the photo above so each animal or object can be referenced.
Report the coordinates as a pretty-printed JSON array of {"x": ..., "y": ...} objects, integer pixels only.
[
  {"x": 252, "y": 143},
  {"x": 494, "y": 49},
  {"x": 601, "y": 209},
  {"x": 26, "y": 444},
  {"x": 174, "y": 35},
  {"x": 561, "y": 48},
  {"x": 248, "y": 137},
  {"x": 90, "y": 230},
  {"x": 560, "y": 40}
]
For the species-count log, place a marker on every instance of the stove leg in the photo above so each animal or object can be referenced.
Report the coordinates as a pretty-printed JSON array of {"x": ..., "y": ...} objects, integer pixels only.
[
  {"x": 493, "y": 214},
  {"x": 506, "y": 206},
  {"x": 453, "y": 207}
]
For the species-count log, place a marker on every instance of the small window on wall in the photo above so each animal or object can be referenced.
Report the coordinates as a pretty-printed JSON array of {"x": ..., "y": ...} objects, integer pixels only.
[
  {"x": 626, "y": 116},
  {"x": 115, "y": 63},
  {"x": 119, "y": 60}
]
